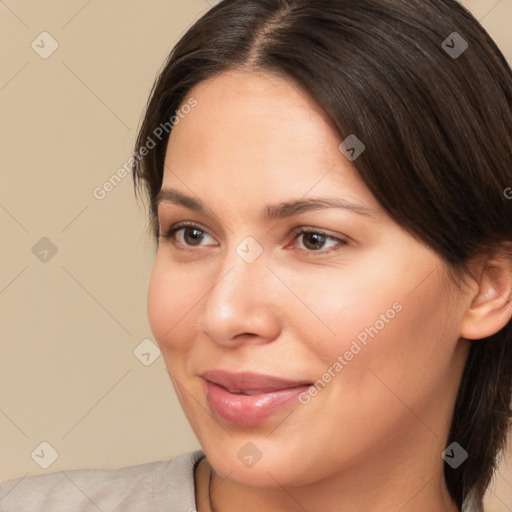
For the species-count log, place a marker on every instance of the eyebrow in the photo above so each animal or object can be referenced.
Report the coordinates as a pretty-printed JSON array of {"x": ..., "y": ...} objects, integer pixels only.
[{"x": 270, "y": 212}]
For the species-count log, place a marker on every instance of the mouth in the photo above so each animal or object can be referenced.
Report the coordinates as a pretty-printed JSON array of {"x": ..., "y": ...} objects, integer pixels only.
[
  {"x": 249, "y": 398},
  {"x": 248, "y": 392},
  {"x": 250, "y": 383}
]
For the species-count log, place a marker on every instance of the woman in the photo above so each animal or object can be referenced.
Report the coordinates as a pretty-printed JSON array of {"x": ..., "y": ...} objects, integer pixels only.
[{"x": 331, "y": 292}]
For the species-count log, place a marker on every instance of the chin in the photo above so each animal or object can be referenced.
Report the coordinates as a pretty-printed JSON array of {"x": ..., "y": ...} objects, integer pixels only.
[
  {"x": 261, "y": 475},
  {"x": 260, "y": 463}
]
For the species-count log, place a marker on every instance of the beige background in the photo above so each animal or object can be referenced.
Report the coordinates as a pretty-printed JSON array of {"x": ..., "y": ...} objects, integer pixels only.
[{"x": 71, "y": 321}]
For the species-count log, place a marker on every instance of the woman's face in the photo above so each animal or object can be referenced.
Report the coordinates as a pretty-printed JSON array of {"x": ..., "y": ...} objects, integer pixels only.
[{"x": 356, "y": 305}]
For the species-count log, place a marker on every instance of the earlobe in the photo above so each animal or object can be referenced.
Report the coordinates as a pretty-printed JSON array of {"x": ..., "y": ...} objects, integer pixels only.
[{"x": 491, "y": 306}]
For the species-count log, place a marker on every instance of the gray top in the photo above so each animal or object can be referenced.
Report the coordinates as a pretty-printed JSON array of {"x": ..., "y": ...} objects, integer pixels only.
[{"x": 161, "y": 486}]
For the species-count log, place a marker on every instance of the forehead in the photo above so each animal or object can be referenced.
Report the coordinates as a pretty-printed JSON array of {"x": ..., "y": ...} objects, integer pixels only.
[
  {"x": 251, "y": 132},
  {"x": 243, "y": 106}
]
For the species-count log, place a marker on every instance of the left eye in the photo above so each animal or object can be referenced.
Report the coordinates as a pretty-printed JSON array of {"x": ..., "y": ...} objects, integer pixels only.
[
  {"x": 186, "y": 235},
  {"x": 314, "y": 241}
]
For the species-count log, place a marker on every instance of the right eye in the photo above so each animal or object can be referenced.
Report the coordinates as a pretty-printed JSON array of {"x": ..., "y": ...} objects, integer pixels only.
[{"x": 184, "y": 235}]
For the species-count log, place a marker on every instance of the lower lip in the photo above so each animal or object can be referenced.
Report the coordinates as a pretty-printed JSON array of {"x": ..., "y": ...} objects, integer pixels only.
[{"x": 249, "y": 409}]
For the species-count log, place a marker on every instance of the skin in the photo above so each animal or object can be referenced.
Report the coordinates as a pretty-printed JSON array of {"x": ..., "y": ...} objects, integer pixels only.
[{"x": 372, "y": 439}]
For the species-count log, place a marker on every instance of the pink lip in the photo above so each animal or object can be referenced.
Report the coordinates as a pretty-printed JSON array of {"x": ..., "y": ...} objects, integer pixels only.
[{"x": 270, "y": 394}]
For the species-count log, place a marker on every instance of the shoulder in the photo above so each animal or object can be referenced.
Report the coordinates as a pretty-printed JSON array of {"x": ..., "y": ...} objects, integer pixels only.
[
  {"x": 472, "y": 503},
  {"x": 165, "y": 485}
]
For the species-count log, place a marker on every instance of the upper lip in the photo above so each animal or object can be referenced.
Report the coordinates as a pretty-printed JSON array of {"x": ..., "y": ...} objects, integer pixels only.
[{"x": 250, "y": 381}]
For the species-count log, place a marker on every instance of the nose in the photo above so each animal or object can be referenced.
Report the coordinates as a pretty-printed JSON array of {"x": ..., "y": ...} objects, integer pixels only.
[{"x": 242, "y": 304}]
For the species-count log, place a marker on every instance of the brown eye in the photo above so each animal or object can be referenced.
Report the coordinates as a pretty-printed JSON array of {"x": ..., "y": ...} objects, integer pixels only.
[
  {"x": 186, "y": 235},
  {"x": 314, "y": 241},
  {"x": 192, "y": 236}
]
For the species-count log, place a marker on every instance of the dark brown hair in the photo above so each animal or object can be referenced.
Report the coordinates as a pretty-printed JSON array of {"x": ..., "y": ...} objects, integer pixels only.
[{"x": 437, "y": 126}]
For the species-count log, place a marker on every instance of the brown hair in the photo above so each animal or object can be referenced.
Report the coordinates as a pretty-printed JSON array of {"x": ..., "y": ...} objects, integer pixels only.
[{"x": 437, "y": 128}]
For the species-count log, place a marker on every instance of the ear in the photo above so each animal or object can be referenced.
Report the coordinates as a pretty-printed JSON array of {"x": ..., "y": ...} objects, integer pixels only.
[{"x": 491, "y": 300}]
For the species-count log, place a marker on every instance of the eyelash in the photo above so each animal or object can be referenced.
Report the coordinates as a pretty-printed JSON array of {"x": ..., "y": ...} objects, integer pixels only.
[{"x": 296, "y": 232}]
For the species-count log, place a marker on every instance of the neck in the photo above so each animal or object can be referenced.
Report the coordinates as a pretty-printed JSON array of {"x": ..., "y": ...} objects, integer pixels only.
[
  {"x": 224, "y": 496},
  {"x": 388, "y": 482}
]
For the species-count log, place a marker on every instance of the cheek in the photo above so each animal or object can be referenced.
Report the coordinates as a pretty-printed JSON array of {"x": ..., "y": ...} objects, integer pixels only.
[
  {"x": 172, "y": 295},
  {"x": 382, "y": 324},
  {"x": 341, "y": 305},
  {"x": 407, "y": 359},
  {"x": 381, "y": 298}
]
